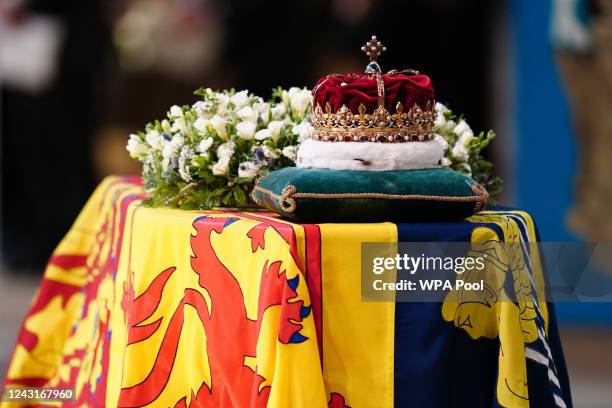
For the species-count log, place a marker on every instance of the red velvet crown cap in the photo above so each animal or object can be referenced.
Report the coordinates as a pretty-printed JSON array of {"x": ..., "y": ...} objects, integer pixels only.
[{"x": 353, "y": 89}]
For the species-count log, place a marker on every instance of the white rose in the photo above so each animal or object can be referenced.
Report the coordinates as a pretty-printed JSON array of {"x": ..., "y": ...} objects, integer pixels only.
[
  {"x": 223, "y": 100},
  {"x": 221, "y": 167},
  {"x": 204, "y": 145},
  {"x": 246, "y": 130},
  {"x": 466, "y": 138},
  {"x": 441, "y": 108},
  {"x": 248, "y": 114},
  {"x": 278, "y": 111},
  {"x": 218, "y": 123},
  {"x": 442, "y": 141},
  {"x": 263, "y": 134},
  {"x": 462, "y": 127},
  {"x": 201, "y": 125},
  {"x": 290, "y": 152},
  {"x": 154, "y": 139},
  {"x": 261, "y": 107},
  {"x": 459, "y": 152},
  {"x": 226, "y": 150},
  {"x": 304, "y": 130},
  {"x": 136, "y": 147},
  {"x": 202, "y": 109},
  {"x": 248, "y": 170},
  {"x": 239, "y": 99},
  {"x": 172, "y": 146},
  {"x": 292, "y": 93},
  {"x": 445, "y": 162},
  {"x": 175, "y": 112},
  {"x": 440, "y": 120},
  {"x": 285, "y": 97},
  {"x": 449, "y": 125},
  {"x": 299, "y": 100},
  {"x": 179, "y": 125},
  {"x": 275, "y": 128}
]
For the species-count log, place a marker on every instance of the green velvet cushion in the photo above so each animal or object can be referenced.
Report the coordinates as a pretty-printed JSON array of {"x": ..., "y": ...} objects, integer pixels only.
[{"x": 322, "y": 195}]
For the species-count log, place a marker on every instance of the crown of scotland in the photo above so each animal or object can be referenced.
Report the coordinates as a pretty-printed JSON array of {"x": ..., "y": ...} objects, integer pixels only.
[{"x": 395, "y": 107}]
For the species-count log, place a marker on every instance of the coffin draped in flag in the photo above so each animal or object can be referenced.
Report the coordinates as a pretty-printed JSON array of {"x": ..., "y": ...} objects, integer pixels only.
[{"x": 156, "y": 307}]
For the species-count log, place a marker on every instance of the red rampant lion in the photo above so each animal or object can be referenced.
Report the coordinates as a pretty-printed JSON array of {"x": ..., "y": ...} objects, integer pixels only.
[{"x": 231, "y": 335}]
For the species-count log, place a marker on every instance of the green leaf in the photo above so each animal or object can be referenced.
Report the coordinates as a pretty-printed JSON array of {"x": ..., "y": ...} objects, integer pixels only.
[{"x": 239, "y": 195}]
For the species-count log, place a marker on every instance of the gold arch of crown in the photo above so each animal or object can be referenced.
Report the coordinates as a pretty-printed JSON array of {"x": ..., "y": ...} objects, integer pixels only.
[{"x": 415, "y": 125}]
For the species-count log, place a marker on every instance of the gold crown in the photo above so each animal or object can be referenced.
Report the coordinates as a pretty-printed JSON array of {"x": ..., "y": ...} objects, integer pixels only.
[{"x": 380, "y": 126}]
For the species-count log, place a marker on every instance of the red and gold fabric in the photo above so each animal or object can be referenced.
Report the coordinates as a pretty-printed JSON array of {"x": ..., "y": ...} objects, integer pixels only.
[{"x": 153, "y": 307}]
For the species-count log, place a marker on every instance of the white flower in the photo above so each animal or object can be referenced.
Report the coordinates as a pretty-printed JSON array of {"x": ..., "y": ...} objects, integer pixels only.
[
  {"x": 290, "y": 152},
  {"x": 201, "y": 125},
  {"x": 165, "y": 125},
  {"x": 239, "y": 99},
  {"x": 248, "y": 114},
  {"x": 154, "y": 139},
  {"x": 226, "y": 150},
  {"x": 172, "y": 146},
  {"x": 299, "y": 100},
  {"x": 467, "y": 167},
  {"x": 459, "y": 152},
  {"x": 223, "y": 100},
  {"x": 261, "y": 107},
  {"x": 285, "y": 98},
  {"x": 183, "y": 163},
  {"x": 246, "y": 130},
  {"x": 137, "y": 147},
  {"x": 278, "y": 111},
  {"x": 304, "y": 130},
  {"x": 442, "y": 142},
  {"x": 175, "y": 112},
  {"x": 263, "y": 134},
  {"x": 269, "y": 153},
  {"x": 204, "y": 145},
  {"x": 179, "y": 125},
  {"x": 445, "y": 162},
  {"x": 462, "y": 127},
  {"x": 203, "y": 108},
  {"x": 275, "y": 128},
  {"x": 218, "y": 123},
  {"x": 440, "y": 120},
  {"x": 248, "y": 170},
  {"x": 466, "y": 138},
  {"x": 449, "y": 126},
  {"x": 221, "y": 167},
  {"x": 441, "y": 108}
]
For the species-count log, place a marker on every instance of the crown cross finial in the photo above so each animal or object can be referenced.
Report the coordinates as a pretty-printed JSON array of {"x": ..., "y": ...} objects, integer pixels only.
[{"x": 373, "y": 49}]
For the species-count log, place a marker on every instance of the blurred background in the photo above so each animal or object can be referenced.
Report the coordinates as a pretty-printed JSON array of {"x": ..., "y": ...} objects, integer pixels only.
[{"x": 77, "y": 77}]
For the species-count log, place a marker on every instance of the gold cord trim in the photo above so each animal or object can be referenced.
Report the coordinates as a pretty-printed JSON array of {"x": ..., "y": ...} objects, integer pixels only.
[{"x": 288, "y": 204}]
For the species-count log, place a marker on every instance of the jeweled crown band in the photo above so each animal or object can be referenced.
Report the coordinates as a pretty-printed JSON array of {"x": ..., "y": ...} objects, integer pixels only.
[{"x": 381, "y": 126}]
